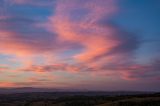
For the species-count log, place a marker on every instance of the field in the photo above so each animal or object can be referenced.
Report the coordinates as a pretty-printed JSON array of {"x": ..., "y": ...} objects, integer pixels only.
[{"x": 58, "y": 99}]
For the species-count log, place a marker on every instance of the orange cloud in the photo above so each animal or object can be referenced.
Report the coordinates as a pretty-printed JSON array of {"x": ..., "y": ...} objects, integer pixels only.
[{"x": 6, "y": 84}]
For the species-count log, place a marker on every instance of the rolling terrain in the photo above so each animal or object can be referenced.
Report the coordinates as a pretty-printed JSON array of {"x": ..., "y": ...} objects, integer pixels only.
[{"x": 80, "y": 99}]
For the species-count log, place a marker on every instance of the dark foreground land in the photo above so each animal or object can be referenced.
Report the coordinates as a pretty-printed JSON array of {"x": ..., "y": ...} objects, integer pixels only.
[{"x": 78, "y": 99}]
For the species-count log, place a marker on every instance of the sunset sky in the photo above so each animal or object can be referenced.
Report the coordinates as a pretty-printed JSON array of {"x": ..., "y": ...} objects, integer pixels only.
[{"x": 80, "y": 44}]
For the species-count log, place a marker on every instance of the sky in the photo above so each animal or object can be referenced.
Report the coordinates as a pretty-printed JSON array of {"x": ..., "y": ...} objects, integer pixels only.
[{"x": 104, "y": 45}]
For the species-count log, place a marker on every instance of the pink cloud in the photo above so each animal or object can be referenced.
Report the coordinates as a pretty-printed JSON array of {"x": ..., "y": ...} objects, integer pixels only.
[
  {"x": 83, "y": 25},
  {"x": 104, "y": 45},
  {"x": 73, "y": 68},
  {"x": 17, "y": 44},
  {"x": 124, "y": 71},
  {"x": 32, "y": 2},
  {"x": 9, "y": 44},
  {"x": 4, "y": 68},
  {"x": 95, "y": 39}
]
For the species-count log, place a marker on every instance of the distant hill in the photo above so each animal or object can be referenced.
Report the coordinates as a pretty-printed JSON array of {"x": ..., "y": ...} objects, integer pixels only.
[
  {"x": 68, "y": 92},
  {"x": 25, "y": 90}
]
